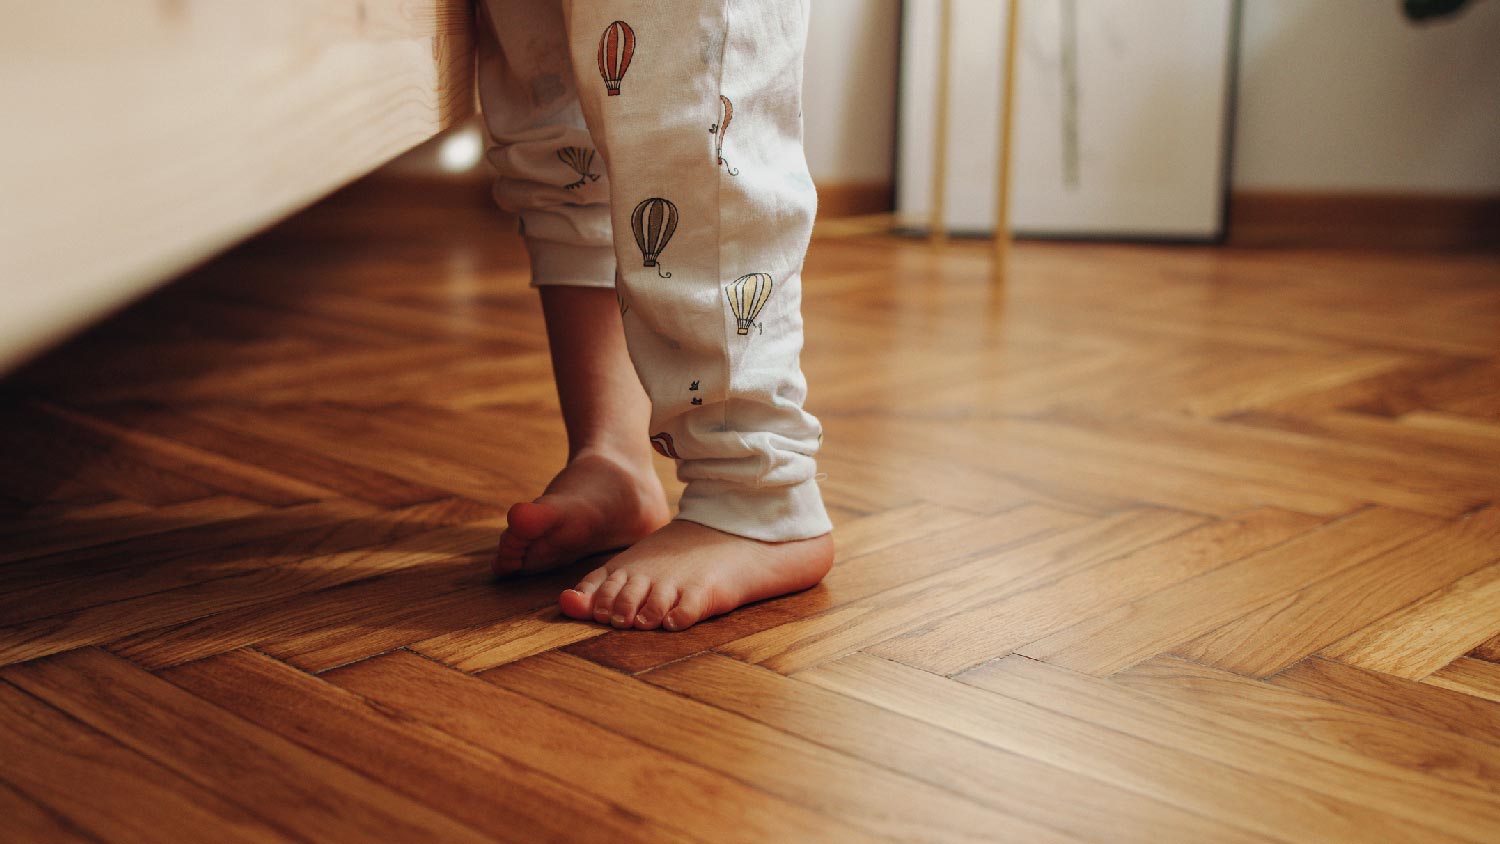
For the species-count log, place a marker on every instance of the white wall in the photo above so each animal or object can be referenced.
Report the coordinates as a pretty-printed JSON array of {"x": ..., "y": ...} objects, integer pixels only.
[
  {"x": 849, "y": 94},
  {"x": 1333, "y": 95},
  {"x": 1348, "y": 95}
]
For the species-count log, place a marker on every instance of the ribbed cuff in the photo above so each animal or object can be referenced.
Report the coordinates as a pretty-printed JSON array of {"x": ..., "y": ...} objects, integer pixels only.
[
  {"x": 769, "y": 514},
  {"x": 570, "y": 265}
]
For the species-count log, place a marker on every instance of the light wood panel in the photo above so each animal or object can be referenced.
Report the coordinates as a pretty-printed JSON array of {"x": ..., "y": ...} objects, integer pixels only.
[
  {"x": 1145, "y": 544},
  {"x": 151, "y": 134}
]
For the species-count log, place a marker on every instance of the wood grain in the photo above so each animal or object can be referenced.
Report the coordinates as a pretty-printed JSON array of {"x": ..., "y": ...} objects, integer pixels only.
[
  {"x": 169, "y": 186},
  {"x": 965, "y": 639},
  {"x": 1127, "y": 635},
  {"x": 1260, "y": 745},
  {"x": 803, "y": 772},
  {"x": 661, "y": 786},
  {"x": 1419, "y": 639},
  {"x": 215, "y": 749},
  {"x": 1093, "y": 746},
  {"x": 509, "y": 800},
  {"x": 245, "y": 527},
  {"x": 1076, "y": 804},
  {"x": 1287, "y": 630}
]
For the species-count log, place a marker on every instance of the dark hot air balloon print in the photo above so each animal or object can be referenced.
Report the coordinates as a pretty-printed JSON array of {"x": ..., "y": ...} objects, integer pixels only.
[
  {"x": 726, "y": 114},
  {"x": 663, "y": 444},
  {"x": 616, "y": 47},
  {"x": 747, "y": 295},
  {"x": 653, "y": 222},
  {"x": 581, "y": 160}
]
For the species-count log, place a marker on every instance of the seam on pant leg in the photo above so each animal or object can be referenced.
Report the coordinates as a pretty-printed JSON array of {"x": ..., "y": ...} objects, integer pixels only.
[{"x": 719, "y": 247}]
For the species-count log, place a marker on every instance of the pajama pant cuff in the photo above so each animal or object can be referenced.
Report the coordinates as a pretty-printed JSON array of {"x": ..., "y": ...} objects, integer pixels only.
[
  {"x": 570, "y": 264},
  {"x": 769, "y": 514}
]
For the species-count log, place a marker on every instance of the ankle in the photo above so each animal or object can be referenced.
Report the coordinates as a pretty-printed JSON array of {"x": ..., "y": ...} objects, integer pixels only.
[{"x": 612, "y": 450}]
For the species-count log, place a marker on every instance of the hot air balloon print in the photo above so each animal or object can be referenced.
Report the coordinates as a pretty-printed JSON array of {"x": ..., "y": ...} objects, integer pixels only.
[
  {"x": 726, "y": 114},
  {"x": 663, "y": 444},
  {"x": 581, "y": 160},
  {"x": 616, "y": 47},
  {"x": 653, "y": 222},
  {"x": 747, "y": 295}
]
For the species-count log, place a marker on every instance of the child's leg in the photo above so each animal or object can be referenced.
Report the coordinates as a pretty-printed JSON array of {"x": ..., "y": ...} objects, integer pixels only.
[
  {"x": 608, "y": 495},
  {"x": 695, "y": 107}
]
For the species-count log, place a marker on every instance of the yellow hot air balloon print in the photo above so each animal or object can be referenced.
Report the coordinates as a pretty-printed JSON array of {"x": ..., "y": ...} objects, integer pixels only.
[{"x": 747, "y": 295}]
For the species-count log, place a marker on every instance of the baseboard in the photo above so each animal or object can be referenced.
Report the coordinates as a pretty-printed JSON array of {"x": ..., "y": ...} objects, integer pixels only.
[
  {"x": 855, "y": 199},
  {"x": 1364, "y": 220},
  {"x": 835, "y": 201}
]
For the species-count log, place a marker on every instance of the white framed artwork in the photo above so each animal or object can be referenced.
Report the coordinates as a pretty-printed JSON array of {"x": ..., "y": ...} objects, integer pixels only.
[{"x": 1121, "y": 109}]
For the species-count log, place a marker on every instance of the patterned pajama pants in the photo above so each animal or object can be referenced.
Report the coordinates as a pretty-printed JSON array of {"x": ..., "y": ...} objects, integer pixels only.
[{"x": 655, "y": 146}]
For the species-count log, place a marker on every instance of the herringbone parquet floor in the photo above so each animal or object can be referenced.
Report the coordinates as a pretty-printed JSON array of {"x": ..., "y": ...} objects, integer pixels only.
[{"x": 1147, "y": 544}]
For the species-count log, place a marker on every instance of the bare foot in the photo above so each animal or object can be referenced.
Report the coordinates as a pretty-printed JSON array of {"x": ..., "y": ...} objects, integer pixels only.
[
  {"x": 598, "y": 502},
  {"x": 686, "y": 572}
]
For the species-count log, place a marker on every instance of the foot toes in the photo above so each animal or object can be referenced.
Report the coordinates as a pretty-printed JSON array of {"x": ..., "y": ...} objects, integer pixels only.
[
  {"x": 691, "y": 607},
  {"x": 604, "y": 598},
  {"x": 509, "y": 555},
  {"x": 578, "y": 602},
  {"x": 528, "y": 520},
  {"x": 661, "y": 600},
  {"x": 629, "y": 601}
]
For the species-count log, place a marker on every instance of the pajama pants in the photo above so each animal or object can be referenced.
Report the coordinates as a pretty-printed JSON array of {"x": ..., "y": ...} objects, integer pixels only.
[{"x": 655, "y": 146}]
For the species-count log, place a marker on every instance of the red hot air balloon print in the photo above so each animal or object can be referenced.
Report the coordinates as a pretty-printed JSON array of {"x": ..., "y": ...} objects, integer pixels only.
[
  {"x": 581, "y": 160},
  {"x": 726, "y": 114},
  {"x": 653, "y": 222},
  {"x": 747, "y": 295},
  {"x": 616, "y": 47},
  {"x": 663, "y": 444}
]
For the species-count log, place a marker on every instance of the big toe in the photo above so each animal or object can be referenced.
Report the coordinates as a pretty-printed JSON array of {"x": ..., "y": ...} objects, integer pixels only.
[{"x": 578, "y": 602}]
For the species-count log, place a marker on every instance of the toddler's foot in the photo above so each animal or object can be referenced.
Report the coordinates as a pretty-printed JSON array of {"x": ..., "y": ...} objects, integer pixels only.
[
  {"x": 598, "y": 502},
  {"x": 686, "y": 572}
]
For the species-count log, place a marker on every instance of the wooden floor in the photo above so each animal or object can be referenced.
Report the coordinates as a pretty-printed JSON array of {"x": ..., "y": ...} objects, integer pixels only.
[{"x": 1143, "y": 545}]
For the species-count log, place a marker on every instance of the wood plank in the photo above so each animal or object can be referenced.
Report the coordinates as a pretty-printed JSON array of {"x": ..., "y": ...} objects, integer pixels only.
[
  {"x": 1489, "y": 650},
  {"x": 203, "y": 539},
  {"x": 966, "y": 639},
  {"x": 1431, "y": 753},
  {"x": 508, "y": 800},
  {"x": 139, "y": 580},
  {"x": 1086, "y": 808},
  {"x": 1250, "y": 455},
  {"x": 1470, "y": 676},
  {"x": 833, "y": 632},
  {"x": 507, "y": 640},
  {"x": 248, "y": 481},
  {"x": 879, "y": 801},
  {"x": 664, "y": 788},
  {"x": 91, "y": 781},
  {"x": 1151, "y": 625},
  {"x": 1267, "y": 640},
  {"x": 1261, "y": 747},
  {"x": 355, "y": 482},
  {"x": 107, "y": 622},
  {"x": 1461, "y": 714},
  {"x": 23, "y": 820},
  {"x": 851, "y": 579},
  {"x": 229, "y": 755},
  {"x": 1258, "y": 803},
  {"x": 1419, "y": 639},
  {"x": 93, "y": 529}
]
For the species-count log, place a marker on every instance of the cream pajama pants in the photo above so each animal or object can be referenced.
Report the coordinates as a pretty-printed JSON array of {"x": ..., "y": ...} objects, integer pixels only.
[{"x": 655, "y": 146}]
